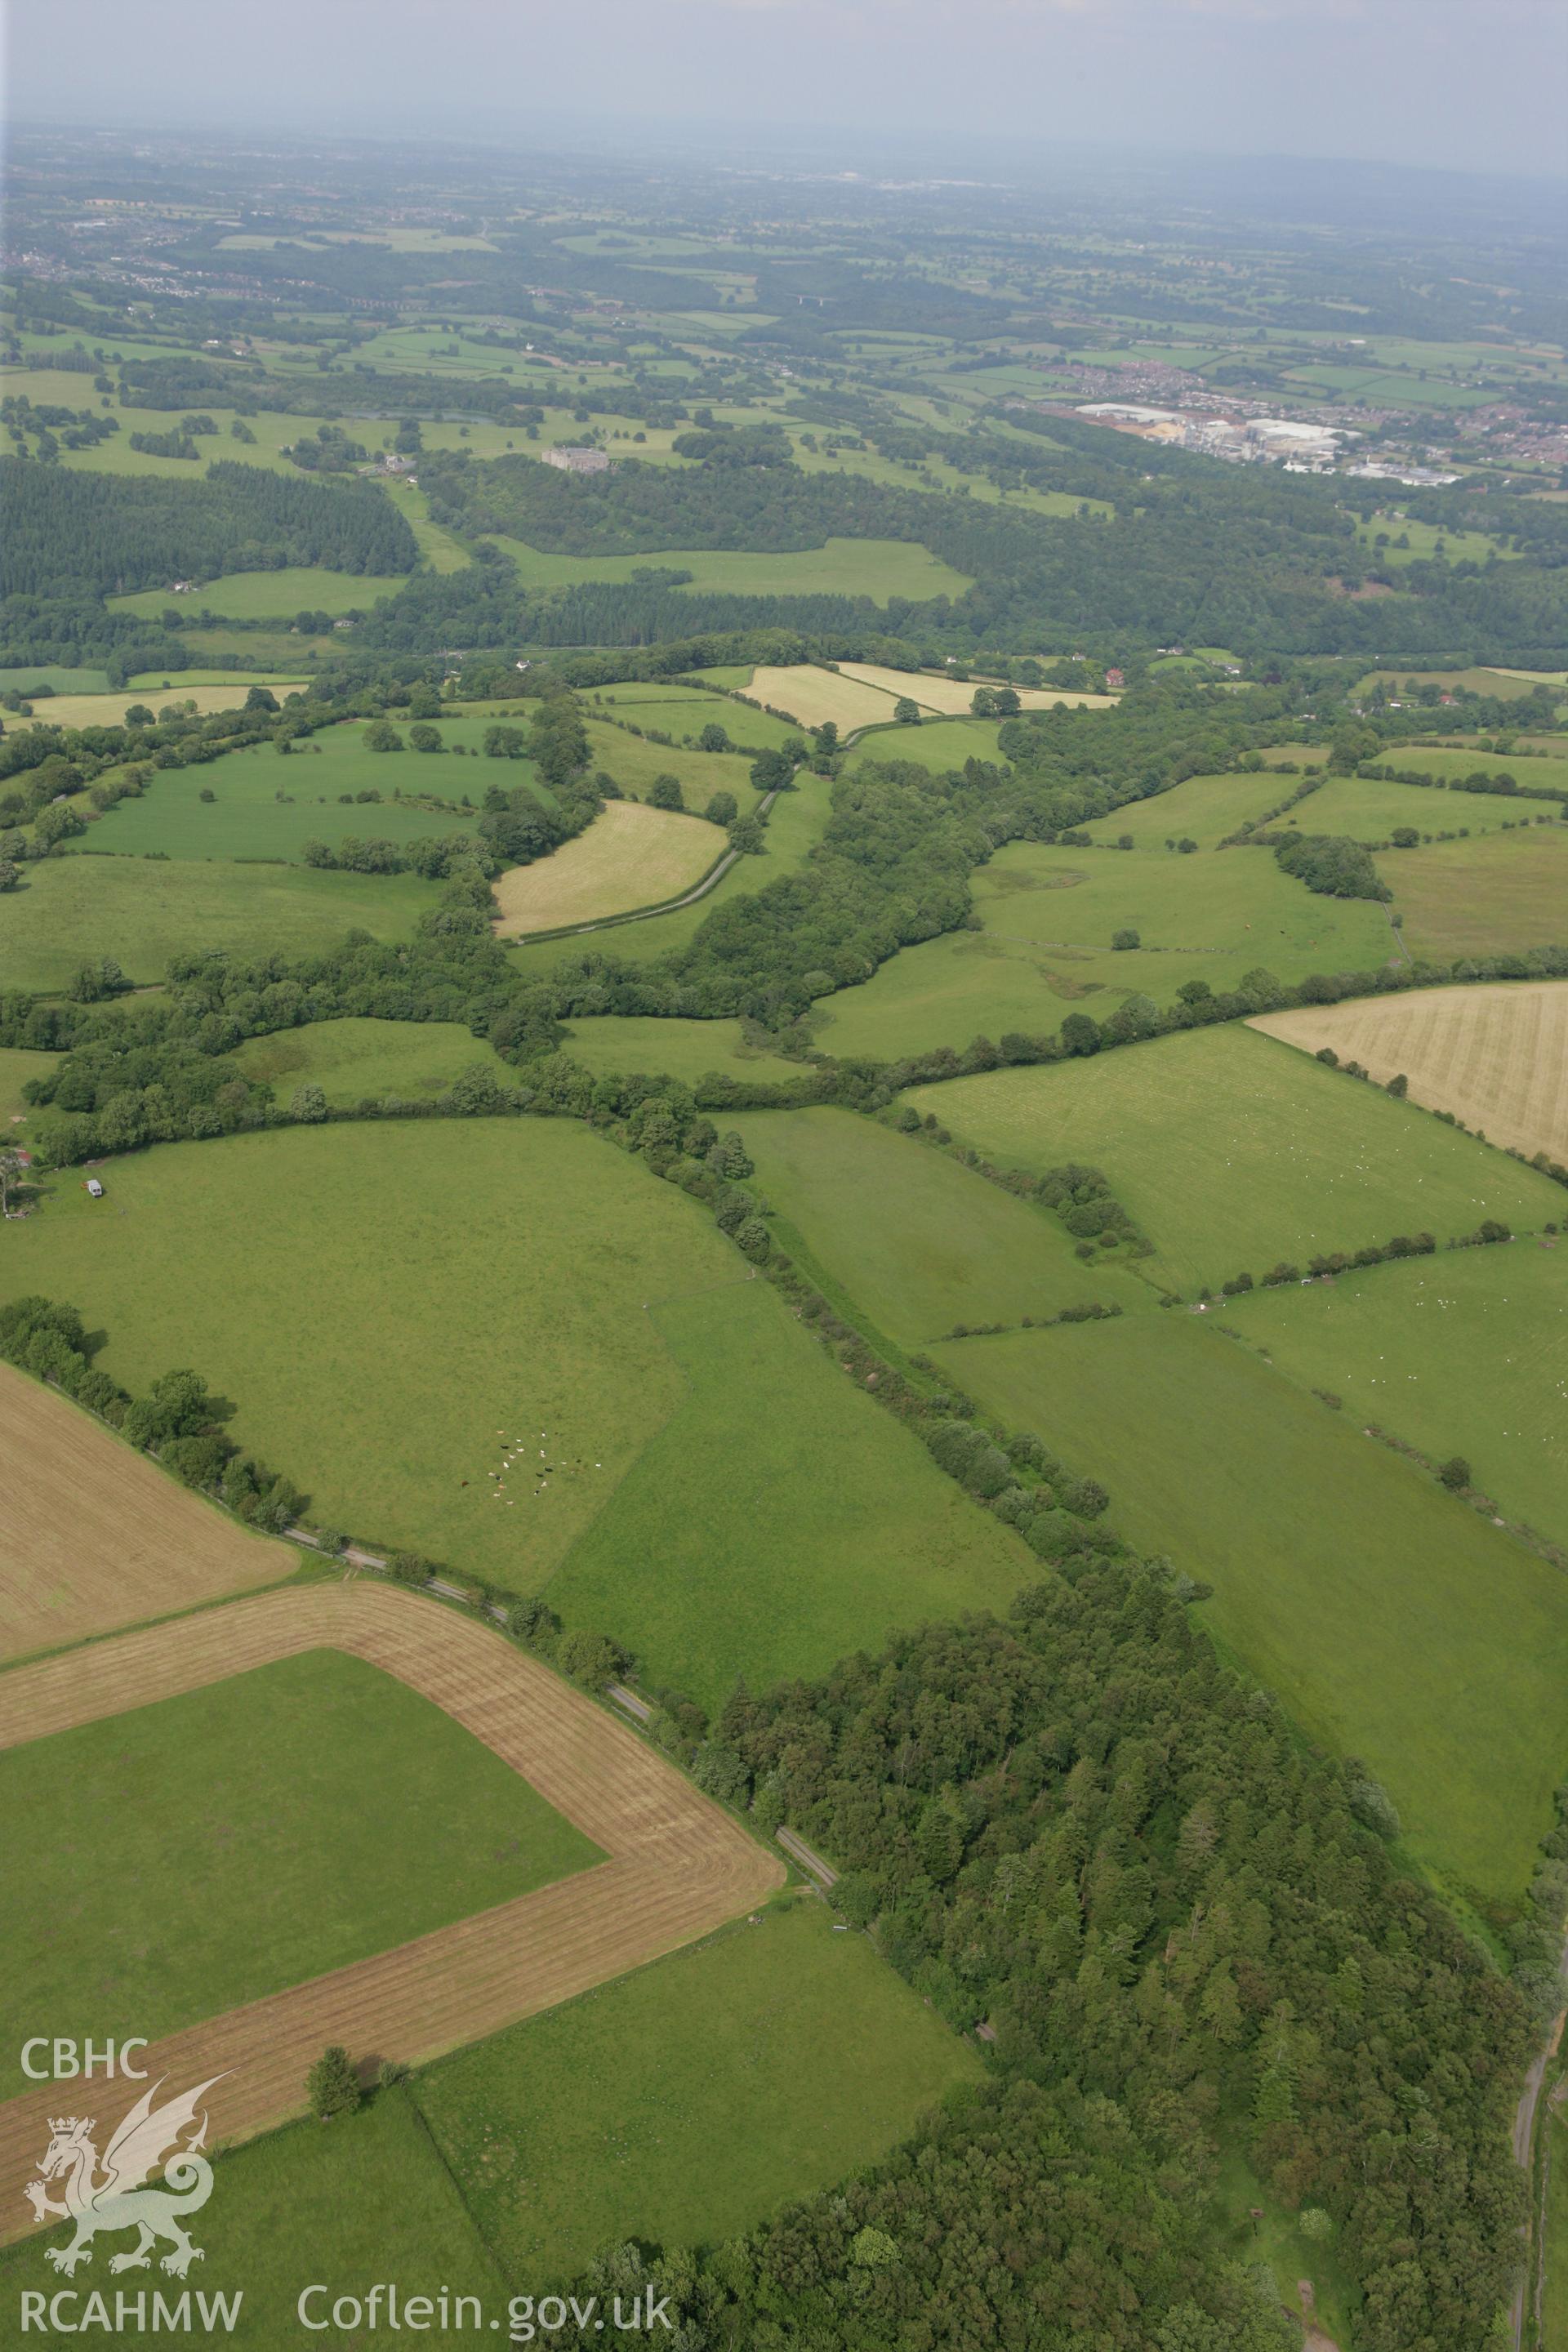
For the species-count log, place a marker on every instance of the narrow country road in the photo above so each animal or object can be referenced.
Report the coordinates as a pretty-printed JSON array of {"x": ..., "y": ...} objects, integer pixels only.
[{"x": 1523, "y": 2150}]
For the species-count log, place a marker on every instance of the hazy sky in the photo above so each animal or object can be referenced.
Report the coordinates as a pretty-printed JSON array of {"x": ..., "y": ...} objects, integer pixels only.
[{"x": 1477, "y": 85}]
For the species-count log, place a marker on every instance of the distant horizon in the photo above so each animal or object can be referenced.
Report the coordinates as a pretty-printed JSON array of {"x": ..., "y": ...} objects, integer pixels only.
[
  {"x": 554, "y": 135},
  {"x": 1405, "y": 84}
]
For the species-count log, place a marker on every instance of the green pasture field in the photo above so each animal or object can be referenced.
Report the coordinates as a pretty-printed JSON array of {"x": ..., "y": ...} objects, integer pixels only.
[
  {"x": 267, "y": 595},
  {"x": 364, "y": 2201},
  {"x": 1399, "y": 1625},
  {"x": 215, "y": 1847},
  {"x": 1233, "y": 1152},
  {"x": 1466, "y": 1354},
  {"x": 794, "y": 825},
  {"x": 1453, "y": 762},
  {"x": 679, "y": 713},
  {"x": 225, "y": 644},
  {"x": 681, "y": 1049},
  {"x": 438, "y": 548},
  {"x": 912, "y": 1237},
  {"x": 356, "y": 1060},
  {"x": 633, "y": 762},
  {"x": 334, "y": 1281},
  {"x": 934, "y": 474},
  {"x": 1425, "y": 538},
  {"x": 50, "y": 674},
  {"x": 685, "y": 2104},
  {"x": 157, "y": 681},
  {"x": 1204, "y": 809},
  {"x": 779, "y": 1519},
  {"x": 1494, "y": 683},
  {"x": 1491, "y": 896},
  {"x": 246, "y": 818},
  {"x": 629, "y": 245},
  {"x": 1048, "y": 917},
  {"x": 878, "y": 568},
  {"x": 143, "y": 911},
  {"x": 383, "y": 1302},
  {"x": 1368, "y": 810},
  {"x": 396, "y": 240},
  {"x": 16, "y": 1066},
  {"x": 936, "y": 743},
  {"x": 1373, "y": 388}
]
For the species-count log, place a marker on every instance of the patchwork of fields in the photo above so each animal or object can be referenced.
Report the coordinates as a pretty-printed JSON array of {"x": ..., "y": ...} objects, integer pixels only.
[
  {"x": 716, "y": 1538},
  {"x": 973, "y": 1753},
  {"x": 265, "y": 1876},
  {"x": 1232, "y": 1153},
  {"x": 677, "y": 1866}
]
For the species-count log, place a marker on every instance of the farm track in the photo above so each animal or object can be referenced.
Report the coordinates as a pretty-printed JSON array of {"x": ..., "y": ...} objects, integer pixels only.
[{"x": 675, "y": 1865}]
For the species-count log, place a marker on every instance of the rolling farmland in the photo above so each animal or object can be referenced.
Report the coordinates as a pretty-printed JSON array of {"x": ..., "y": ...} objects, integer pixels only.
[{"x": 677, "y": 1865}]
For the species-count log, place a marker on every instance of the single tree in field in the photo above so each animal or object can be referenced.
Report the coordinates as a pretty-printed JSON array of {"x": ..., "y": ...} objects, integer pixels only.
[
  {"x": 1454, "y": 1473},
  {"x": 665, "y": 793},
  {"x": 906, "y": 712},
  {"x": 331, "y": 2086},
  {"x": 722, "y": 809}
]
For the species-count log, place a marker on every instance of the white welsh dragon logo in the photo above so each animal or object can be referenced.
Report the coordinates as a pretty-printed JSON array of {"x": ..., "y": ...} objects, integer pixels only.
[{"x": 107, "y": 2192}]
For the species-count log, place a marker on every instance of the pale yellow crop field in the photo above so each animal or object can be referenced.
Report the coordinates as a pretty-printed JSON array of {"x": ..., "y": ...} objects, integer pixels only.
[
  {"x": 953, "y": 696},
  {"x": 630, "y": 856},
  {"x": 1496, "y": 1055},
  {"x": 814, "y": 697},
  {"x": 861, "y": 694},
  {"x": 110, "y": 709}
]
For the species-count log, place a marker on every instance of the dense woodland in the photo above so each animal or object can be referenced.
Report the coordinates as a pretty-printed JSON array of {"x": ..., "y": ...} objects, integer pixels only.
[
  {"x": 1077, "y": 1825},
  {"x": 1241, "y": 556},
  {"x": 72, "y": 538}
]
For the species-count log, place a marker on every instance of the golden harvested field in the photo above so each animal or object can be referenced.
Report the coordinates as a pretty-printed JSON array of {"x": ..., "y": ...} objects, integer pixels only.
[
  {"x": 951, "y": 696},
  {"x": 110, "y": 709},
  {"x": 677, "y": 1866},
  {"x": 93, "y": 1534},
  {"x": 1496, "y": 1055},
  {"x": 813, "y": 696},
  {"x": 630, "y": 856},
  {"x": 860, "y": 694}
]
